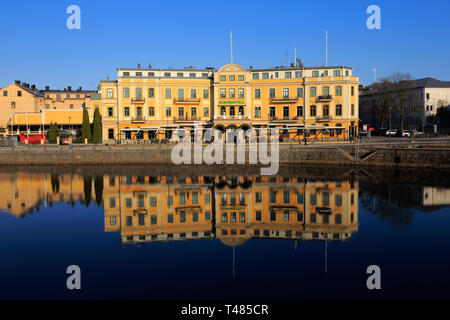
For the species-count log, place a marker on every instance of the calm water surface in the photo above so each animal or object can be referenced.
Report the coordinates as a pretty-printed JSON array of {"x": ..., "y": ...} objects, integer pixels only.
[{"x": 293, "y": 236}]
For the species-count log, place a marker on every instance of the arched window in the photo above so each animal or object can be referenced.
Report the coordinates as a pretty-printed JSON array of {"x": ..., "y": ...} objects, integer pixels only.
[
  {"x": 232, "y": 112},
  {"x": 241, "y": 111},
  {"x": 223, "y": 111}
]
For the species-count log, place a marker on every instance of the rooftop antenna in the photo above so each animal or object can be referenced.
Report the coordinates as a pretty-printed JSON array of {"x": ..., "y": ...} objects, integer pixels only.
[
  {"x": 295, "y": 56},
  {"x": 326, "y": 48},
  {"x": 287, "y": 58},
  {"x": 231, "y": 44}
]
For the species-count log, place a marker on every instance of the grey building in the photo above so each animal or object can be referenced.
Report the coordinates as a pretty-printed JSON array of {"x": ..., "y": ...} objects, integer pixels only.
[{"x": 423, "y": 97}]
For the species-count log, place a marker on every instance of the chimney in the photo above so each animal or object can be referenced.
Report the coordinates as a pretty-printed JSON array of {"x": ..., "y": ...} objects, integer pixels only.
[
  {"x": 80, "y": 89},
  {"x": 33, "y": 87},
  {"x": 17, "y": 82},
  {"x": 26, "y": 85},
  {"x": 139, "y": 65},
  {"x": 251, "y": 67},
  {"x": 150, "y": 66},
  {"x": 47, "y": 88},
  {"x": 69, "y": 88}
]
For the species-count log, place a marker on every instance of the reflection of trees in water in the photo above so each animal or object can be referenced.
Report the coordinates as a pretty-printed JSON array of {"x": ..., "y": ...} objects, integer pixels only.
[
  {"x": 392, "y": 203},
  {"x": 98, "y": 185},
  {"x": 87, "y": 190},
  {"x": 54, "y": 178}
]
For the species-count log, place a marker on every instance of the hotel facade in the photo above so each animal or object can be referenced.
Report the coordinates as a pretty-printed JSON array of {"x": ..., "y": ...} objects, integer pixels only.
[{"x": 317, "y": 104}]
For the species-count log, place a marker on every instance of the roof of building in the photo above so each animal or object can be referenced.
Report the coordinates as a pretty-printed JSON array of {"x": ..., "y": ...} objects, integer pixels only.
[
  {"x": 431, "y": 83},
  {"x": 26, "y": 87},
  {"x": 96, "y": 96},
  {"x": 165, "y": 69},
  {"x": 418, "y": 83},
  {"x": 67, "y": 91},
  {"x": 251, "y": 69},
  {"x": 287, "y": 68}
]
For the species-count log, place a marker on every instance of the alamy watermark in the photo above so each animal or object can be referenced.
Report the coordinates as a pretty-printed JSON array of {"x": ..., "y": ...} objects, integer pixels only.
[
  {"x": 213, "y": 146},
  {"x": 74, "y": 280},
  {"x": 374, "y": 280},
  {"x": 74, "y": 20},
  {"x": 374, "y": 20}
]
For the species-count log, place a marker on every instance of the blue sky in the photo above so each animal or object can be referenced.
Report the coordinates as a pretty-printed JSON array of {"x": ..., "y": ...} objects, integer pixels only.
[{"x": 36, "y": 46}]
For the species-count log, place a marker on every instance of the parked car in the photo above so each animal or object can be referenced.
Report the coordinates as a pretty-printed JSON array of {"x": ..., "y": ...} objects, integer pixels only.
[
  {"x": 64, "y": 137},
  {"x": 392, "y": 132},
  {"x": 406, "y": 133}
]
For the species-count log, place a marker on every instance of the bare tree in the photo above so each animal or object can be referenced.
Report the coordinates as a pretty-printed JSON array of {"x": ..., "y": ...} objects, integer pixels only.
[
  {"x": 381, "y": 101},
  {"x": 402, "y": 95}
]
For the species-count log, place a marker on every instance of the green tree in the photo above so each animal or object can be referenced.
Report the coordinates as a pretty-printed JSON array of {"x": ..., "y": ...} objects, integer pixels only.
[
  {"x": 97, "y": 137},
  {"x": 86, "y": 127},
  {"x": 87, "y": 190},
  {"x": 52, "y": 133},
  {"x": 98, "y": 186},
  {"x": 55, "y": 182}
]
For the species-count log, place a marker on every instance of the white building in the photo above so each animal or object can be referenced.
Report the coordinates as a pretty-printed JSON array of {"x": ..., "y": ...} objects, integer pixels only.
[{"x": 425, "y": 96}]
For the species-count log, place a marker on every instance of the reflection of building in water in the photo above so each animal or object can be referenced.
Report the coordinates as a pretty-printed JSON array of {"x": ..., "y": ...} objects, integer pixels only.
[
  {"x": 287, "y": 208},
  {"x": 148, "y": 209},
  {"x": 169, "y": 208},
  {"x": 158, "y": 208},
  {"x": 23, "y": 192},
  {"x": 435, "y": 196}
]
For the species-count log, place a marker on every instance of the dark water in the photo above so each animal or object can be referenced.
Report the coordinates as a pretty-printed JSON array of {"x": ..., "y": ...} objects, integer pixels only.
[{"x": 150, "y": 234}]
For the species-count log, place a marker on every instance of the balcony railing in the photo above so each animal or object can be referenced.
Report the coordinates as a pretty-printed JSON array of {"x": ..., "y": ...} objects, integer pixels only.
[
  {"x": 138, "y": 119},
  {"x": 325, "y": 98},
  {"x": 186, "y": 100},
  {"x": 187, "y": 118},
  {"x": 137, "y": 100},
  {"x": 238, "y": 117},
  {"x": 283, "y": 99},
  {"x": 323, "y": 118}
]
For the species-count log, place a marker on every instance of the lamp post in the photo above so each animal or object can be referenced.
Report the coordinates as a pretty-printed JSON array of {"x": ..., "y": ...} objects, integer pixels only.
[{"x": 390, "y": 124}]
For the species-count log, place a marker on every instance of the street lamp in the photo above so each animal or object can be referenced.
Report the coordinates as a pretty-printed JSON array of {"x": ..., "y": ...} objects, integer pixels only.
[{"x": 390, "y": 124}]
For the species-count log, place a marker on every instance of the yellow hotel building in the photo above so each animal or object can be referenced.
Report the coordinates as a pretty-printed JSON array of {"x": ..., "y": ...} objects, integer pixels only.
[{"x": 313, "y": 103}]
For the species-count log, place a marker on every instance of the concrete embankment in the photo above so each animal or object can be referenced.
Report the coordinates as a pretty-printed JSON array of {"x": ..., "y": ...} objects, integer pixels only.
[{"x": 346, "y": 155}]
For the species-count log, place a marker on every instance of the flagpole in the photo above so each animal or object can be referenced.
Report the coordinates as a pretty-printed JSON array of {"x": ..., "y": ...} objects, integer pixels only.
[
  {"x": 231, "y": 43},
  {"x": 326, "y": 48}
]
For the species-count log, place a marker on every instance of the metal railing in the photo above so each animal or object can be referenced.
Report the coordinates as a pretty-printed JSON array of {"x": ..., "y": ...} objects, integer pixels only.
[
  {"x": 138, "y": 119},
  {"x": 325, "y": 98},
  {"x": 186, "y": 100},
  {"x": 138, "y": 100},
  {"x": 186, "y": 118},
  {"x": 283, "y": 99},
  {"x": 323, "y": 118}
]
